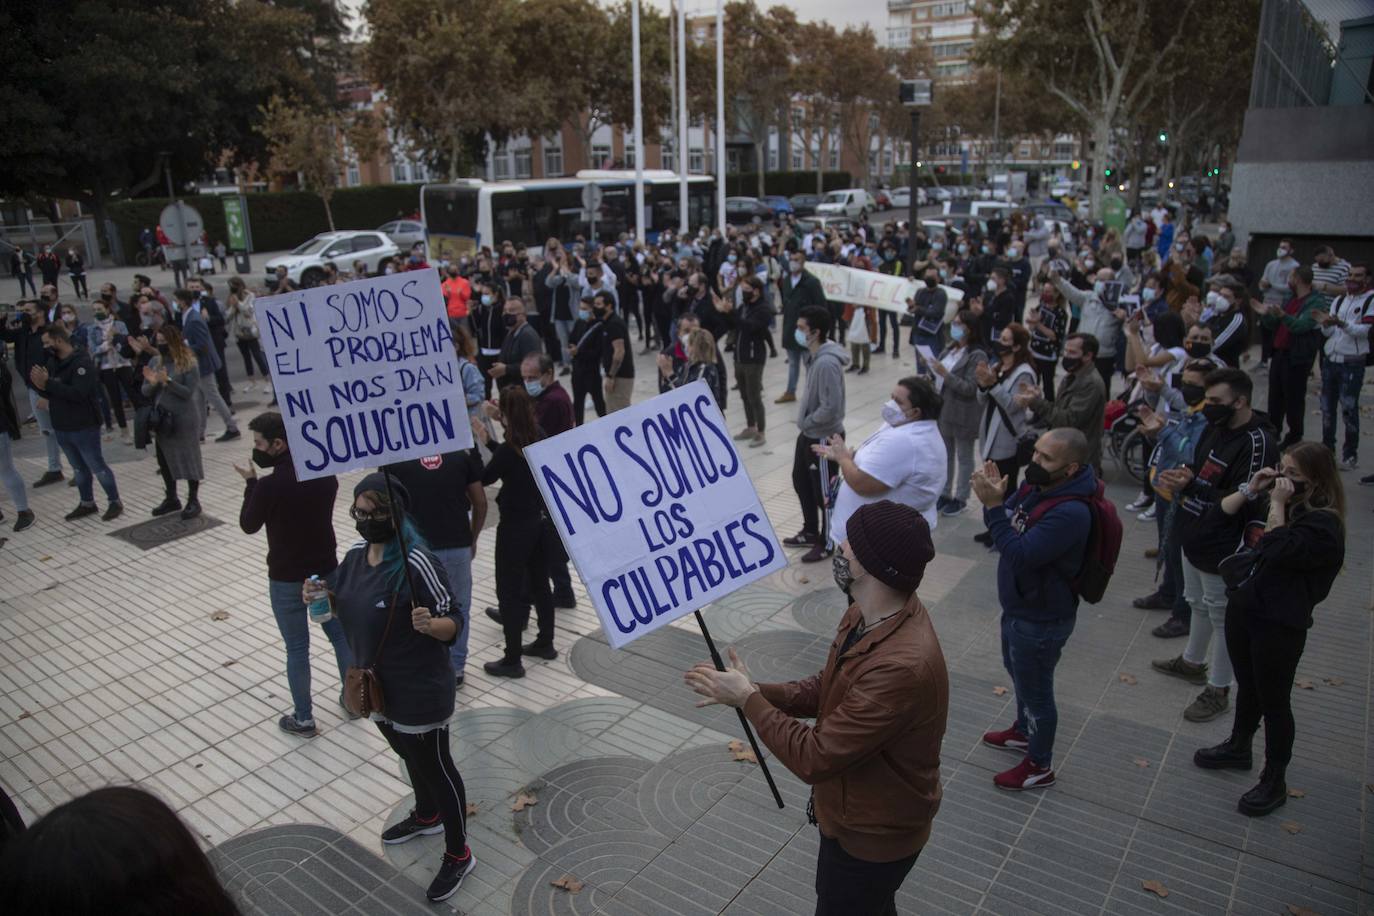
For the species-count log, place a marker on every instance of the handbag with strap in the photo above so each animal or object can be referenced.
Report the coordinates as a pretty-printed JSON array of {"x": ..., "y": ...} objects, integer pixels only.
[{"x": 362, "y": 687}]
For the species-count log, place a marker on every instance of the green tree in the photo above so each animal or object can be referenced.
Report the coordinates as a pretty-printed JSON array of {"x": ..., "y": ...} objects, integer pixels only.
[
  {"x": 758, "y": 74},
  {"x": 306, "y": 143},
  {"x": 862, "y": 81},
  {"x": 1104, "y": 59},
  {"x": 814, "y": 89},
  {"x": 102, "y": 89}
]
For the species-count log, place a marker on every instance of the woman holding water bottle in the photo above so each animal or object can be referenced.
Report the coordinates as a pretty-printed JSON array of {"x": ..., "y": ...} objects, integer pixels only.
[{"x": 395, "y": 613}]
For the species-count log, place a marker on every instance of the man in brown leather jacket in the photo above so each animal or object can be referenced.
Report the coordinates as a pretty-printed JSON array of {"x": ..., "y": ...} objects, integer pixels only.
[{"x": 873, "y": 756}]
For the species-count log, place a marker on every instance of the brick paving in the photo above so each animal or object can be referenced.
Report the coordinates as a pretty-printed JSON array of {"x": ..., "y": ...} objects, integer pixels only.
[{"x": 112, "y": 670}]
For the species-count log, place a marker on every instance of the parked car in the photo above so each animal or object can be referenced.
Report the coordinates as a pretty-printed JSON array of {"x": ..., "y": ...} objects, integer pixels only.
[
  {"x": 804, "y": 204},
  {"x": 901, "y": 197},
  {"x": 821, "y": 223},
  {"x": 882, "y": 200},
  {"x": 305, "y": 263},
  {"x": 851, "y": 202},
  {"x": 942, "y": 194},
  {"x": 744, "y": 210},
  {"x": 1055, "y": 214},
  {"x": 406, "y": 233},
  {"x": 780, "y": 205}
]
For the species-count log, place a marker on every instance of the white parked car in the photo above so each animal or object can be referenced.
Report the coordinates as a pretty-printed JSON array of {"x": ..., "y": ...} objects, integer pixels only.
[
  {"x": 305, "y": 263},
  {"x": 406, "y": 233},
  {"x": 851, "y": 202},
  {"x": 943, "y": 194},
  {"x": 900, "y": 198}
]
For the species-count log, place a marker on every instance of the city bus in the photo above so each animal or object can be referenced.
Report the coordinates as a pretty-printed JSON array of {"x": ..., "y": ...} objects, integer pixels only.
[{"x": 462, "y": 217}]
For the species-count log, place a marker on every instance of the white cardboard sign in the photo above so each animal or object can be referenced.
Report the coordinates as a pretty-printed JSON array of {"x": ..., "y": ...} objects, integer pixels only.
[
  {"x": 870, "y": 288},
  {"x": 656, "y": 510},
  {"x": 365, "y": 372}
]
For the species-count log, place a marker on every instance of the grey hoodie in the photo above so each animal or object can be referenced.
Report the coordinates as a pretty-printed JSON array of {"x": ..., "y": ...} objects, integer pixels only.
[{"x": 820, "y": 412}]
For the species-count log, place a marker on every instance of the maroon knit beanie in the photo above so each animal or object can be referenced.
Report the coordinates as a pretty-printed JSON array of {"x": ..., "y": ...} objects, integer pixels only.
[{"x": 891, "y": 541}]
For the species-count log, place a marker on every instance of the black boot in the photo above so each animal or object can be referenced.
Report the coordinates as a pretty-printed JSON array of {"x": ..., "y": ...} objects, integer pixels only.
[
  {"x": 1231, "y": 754},
  {"x": 168, "y": 505},
  {"x": 1271, "y": 793}
]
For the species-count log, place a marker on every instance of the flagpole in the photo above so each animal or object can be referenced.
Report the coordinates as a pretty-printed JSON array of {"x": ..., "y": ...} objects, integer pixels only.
[
  {"x": 720, "y": 115},
  {"x": 639, "y": 127},
  {"x": 682, "y": 118}
]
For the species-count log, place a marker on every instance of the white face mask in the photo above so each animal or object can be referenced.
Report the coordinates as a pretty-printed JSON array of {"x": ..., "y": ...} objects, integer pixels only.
[
  {"x": 1283, "y": 252},
  {"x": 991, "y": 285},
  {"x": 794, "y": 266},
  {"x": 893, "y": 415}
]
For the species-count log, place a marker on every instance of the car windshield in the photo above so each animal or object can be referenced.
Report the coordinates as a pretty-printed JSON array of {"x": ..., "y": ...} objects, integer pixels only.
[
  {"x": 834, "y": 197},
  {"x": 312, "y": 246}
]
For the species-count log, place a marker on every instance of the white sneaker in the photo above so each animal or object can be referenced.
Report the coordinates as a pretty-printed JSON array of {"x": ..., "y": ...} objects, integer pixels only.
[
  {"x": 1140, "y": 502},
  {"x": 1147, "y": 516}
]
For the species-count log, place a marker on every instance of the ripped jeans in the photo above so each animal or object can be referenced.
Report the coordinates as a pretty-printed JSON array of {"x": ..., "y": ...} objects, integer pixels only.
[{"x": 1030, "y": 652}]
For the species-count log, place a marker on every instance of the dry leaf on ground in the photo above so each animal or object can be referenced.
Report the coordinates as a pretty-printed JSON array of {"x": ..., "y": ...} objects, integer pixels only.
[
  {"x": 1295, "y": 910},
  {"x": 232, "y": 661},
  {"x": 471, "y": 810},
  {"x": 1127, "y": 678},
  {"x": 522, "y": 801},
  {"x": 569, "y": 884},
  {"x": 26, "y": 715},
  {"x": 999, "y": 691},
  {"x": 1303, "y": 683},
  {"x": 44, "y": 559},
  {"x": 1333, "y": 681},
  {"x": 1155, "y": 887},
  {"x": 804, "y": 580},
  {"x": 1141, "y": 762},
  {"x": 1292, "y": 826},
  {"x": 742, "y": 752},
  {"x": 1297, "y": 793},
  {"x": 220, "y": 615}
]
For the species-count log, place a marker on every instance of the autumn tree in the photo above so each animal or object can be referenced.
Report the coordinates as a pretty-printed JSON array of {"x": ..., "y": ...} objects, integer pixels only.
[
  {"x": 1104, "y": 59},
  {"x": 107, "y": 92},
  {"x": 759, "y": 75},
  {"x": 306, "y": 143},
  {"x": 814, "y": 85},
  {"x": 862, "y": 81}
]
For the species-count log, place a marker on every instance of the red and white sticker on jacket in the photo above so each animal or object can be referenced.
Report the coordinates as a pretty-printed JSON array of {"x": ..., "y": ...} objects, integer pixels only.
[{"x": 432, "y": 462}]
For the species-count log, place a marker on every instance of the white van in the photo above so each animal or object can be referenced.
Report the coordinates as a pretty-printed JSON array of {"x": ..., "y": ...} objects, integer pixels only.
[{"x": 850, "y": 202}]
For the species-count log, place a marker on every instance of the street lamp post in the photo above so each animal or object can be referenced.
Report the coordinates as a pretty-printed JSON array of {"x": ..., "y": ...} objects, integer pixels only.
[{"x": 915, "y": 95}]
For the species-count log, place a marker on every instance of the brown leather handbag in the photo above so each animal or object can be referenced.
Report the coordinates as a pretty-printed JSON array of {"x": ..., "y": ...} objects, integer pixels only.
[{"x": 362, "y": 687}]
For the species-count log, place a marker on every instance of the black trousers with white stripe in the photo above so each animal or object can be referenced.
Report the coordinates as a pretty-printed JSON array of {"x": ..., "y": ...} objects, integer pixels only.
[{"x": 438, "y": 785}]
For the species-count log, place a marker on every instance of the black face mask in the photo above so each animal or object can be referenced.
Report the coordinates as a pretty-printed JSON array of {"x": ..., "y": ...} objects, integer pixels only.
[
  {"x": 1219, "y": 414},
  {"x": 52, "y": 351},
  {"x": 1000, "y": 348},
  {"x": 266, "y": 459},
  {"x": 931, "y": 282},
  {"x": 839, "y": 568},
  {"x": 1299, "y": 487},
  {"x": 1039, "y": 477},
  {"x": 163, "y": 349},
  {"x": 1071, "y": 363},
  {"x": 1193, "y": 395},
  {"x": 510, "y": 320},
  {"x": 376, "y": 531},
  {"x": 1198, "y": 350}
]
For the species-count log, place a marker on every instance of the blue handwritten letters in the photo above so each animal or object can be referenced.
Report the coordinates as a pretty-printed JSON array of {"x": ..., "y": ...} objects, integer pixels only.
[
  {"x": 656, "y": 510},
  {"x": 365, "y": 372}
]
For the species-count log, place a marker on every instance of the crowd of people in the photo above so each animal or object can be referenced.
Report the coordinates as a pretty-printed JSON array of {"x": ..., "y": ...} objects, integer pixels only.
[{"x": 1025, "y": 344}]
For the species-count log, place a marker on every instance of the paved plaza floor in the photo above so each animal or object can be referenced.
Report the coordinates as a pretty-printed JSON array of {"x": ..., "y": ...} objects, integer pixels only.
[{"x": 116, "y": 666}]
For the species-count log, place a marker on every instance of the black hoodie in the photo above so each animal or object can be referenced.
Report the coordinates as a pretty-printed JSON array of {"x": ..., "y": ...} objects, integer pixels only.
[{"x": 1225, "y": 459}]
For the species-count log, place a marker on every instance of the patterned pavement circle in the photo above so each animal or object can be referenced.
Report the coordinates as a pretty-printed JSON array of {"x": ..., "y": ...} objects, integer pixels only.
[{"x": 164, "y": 530}]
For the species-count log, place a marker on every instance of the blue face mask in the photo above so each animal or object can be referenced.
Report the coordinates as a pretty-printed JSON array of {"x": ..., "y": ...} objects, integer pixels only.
[
  {"x": 584, "y": 314},
  {"x": 987, "y": 250},
  {"x": 956, "y": 332},
  {"x": 487, "y": 299},
  {"x": 535, "y": 388},
  {"x": 800, "y": 336},
  {"x": 733, "y": 258}
]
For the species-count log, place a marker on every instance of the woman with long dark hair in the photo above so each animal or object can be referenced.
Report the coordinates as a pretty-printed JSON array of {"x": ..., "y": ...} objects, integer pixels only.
[
  {"x": 171, "y": 383},
  {"x": 1003, "y": 422},
  {"x": 523, "y": 543},
  {"x": 1292, "y": 537},
  {"x": 114, "y": 850},
  {"x": 395, "y": 611}
]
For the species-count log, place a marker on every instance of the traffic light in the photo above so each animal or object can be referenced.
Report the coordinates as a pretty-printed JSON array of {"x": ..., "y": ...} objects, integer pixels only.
[
  {"x": 1075, "y": 165},
  {"x": 1163, "y": 136},
  {"x": 1107, "y": 171}
]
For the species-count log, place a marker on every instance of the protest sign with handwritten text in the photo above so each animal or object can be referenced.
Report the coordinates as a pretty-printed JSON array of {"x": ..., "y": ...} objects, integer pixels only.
[
  {"x": 365, "y": 373},
  {"x": 656, "y": 510},
  {"x": 875, "y": 290}
]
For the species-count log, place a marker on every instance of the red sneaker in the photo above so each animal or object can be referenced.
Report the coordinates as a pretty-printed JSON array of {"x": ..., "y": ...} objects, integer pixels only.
[
  {"x": 1008, "y": 740},
  {"x": 1025, "y": 775}
]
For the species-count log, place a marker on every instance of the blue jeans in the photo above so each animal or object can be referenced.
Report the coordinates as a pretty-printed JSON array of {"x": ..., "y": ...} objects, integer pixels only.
[
  {"x": 10, "y": 477},
  {"x": 793, "y": 370},
  {"x": 457, "y": 563},
  {"x": 82, "y": 448},
  {"x": 1341, "y": 392},
  {"x": 45, "y": 427},
  {"x": 294, "y": 623},
  {"x": 1030, "y": 650}
]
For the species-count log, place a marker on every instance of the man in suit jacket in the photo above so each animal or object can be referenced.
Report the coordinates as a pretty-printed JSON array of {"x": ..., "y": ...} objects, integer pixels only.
[{"x": 800, "y": 288}]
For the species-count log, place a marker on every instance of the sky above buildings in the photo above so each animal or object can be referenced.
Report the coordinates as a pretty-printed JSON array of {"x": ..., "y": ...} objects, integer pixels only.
[{"x": 839, "y": 13}]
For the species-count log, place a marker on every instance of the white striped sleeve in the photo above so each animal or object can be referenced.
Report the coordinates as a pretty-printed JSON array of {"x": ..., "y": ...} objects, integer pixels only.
[
  {"x": 1237, "y": 322},
  {"x": 432, "y": 583}
]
